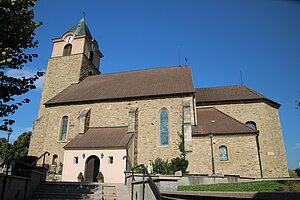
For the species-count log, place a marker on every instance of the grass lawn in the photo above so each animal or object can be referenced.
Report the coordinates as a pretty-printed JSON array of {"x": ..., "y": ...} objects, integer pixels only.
[{"x": 258, "y": 186}]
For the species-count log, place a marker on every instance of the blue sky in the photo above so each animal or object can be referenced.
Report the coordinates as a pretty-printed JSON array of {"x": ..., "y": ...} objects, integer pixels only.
[{"x": 220, "y": 38}]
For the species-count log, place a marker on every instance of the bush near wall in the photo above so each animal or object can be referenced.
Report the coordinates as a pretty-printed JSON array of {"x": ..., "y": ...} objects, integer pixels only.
[{"x": 169, "y": 168}]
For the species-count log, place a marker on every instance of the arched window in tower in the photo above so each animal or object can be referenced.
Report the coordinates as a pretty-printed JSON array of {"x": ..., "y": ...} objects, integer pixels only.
[
  {"x": 67, "y": 50},
  {"x": 91, "y": 56},
  {"x": 64, "y": 127},
  {"x": 54, "y": 159},
  {"x": 251, "y": 124},
  {"x": 223, "y": 153},
  {"x": 164, "y": 127}
]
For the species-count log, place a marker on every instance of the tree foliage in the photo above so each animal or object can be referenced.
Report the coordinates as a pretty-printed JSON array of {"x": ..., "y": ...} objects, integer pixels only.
[
  {"x": 18, "y": 148},
  {"x": 3, "y": 146},
  {"x": 21, "y": 145},
  {"x": 16, "y": 38}
]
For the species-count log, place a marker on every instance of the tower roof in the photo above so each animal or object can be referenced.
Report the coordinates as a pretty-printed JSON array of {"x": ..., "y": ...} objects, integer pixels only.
[{"x": 81, "y": 28}]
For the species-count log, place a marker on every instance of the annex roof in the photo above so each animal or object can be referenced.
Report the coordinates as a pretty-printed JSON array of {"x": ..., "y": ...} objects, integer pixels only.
[
  {"x": 213, "y": 120},
  {"x": 130, "y": 84},
  {"x": 109, "y": 137},
  {"x": 230, "y": 93}
]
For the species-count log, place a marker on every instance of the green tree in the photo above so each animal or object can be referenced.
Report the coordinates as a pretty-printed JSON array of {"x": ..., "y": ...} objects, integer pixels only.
[
  {"x": 18, "y": 148},
  {"x": 16, "y": 39},
  {"x": 3, "y": 146},
  {"x": 21, "y": 145}
]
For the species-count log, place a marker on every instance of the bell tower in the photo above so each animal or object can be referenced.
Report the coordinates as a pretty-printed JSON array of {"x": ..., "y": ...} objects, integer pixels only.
[{"x": 75, "y": 56}]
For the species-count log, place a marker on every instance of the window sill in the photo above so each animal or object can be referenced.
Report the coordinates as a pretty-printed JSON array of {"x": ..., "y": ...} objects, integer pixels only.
[{"x": 61, "y": 141}]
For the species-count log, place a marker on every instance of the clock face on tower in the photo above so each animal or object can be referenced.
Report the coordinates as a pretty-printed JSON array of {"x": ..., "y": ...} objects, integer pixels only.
[{"x": 69, "y": 39}]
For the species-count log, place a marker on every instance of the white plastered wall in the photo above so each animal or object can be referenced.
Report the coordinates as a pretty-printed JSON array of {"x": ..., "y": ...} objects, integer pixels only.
[{"x": 113, "y": 173}]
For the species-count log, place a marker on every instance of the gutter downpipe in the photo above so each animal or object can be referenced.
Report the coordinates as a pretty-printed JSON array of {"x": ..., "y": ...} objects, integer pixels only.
[{"x": 258, "y": 153}]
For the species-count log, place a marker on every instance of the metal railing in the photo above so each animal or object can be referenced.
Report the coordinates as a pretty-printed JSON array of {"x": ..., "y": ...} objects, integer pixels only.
[
  {"x": 30, "y": 167},
  {"x": 151, "y": 183}
]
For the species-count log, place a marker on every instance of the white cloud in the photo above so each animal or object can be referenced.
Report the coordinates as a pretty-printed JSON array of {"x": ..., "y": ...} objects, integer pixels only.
[
  {"x": 297, "y": 146},
  {"x": 26, "y": 73}
]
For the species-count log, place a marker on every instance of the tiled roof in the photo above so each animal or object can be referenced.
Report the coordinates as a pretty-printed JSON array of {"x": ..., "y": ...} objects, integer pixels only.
[
  {"x": 131, "y": 84},
  {"x": 230, "y": 93},
  {"x": 101, "y": 138},
  {"x": 215, "y": 121}
]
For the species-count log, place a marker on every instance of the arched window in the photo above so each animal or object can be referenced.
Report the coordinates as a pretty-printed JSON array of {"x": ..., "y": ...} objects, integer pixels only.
[
  {"x": 251, "y": 124},
  {"x": 164, "y": 127},
  {"x": 67, "y": 50},
  {"x": 54, "y": 159},
  {"x": 91, "y": 56},
  {"x": 90, "y": 74},
  {"x": 223, "y": 153},
  {"x": 64, "y": 127}
]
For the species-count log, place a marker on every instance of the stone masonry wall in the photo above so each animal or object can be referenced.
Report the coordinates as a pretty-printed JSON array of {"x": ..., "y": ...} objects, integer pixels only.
[
  {"x": 272, "y": 150},
  {"x": 107, "y": 114},
  {"x": 242, "y": 155},
  {"x": 61, "y": 72}
]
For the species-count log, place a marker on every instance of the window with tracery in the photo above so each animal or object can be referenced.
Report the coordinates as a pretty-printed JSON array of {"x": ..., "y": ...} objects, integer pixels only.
[{"x": 164, "y": 127}]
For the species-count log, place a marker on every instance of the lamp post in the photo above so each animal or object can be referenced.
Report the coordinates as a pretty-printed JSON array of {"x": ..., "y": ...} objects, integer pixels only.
[
  {"x": 9, "y": 131},
  {"x": 212, "y": 152}
]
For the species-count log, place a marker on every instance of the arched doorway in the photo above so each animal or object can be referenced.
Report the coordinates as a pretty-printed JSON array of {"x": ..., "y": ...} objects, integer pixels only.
[{"x": 92, "y": 166}]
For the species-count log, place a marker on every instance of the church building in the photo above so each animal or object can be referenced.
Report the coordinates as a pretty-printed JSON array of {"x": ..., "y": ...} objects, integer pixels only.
[{"x": 91, "y": 122}]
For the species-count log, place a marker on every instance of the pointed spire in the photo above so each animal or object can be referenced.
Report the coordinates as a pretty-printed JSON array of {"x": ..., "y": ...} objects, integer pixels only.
[{"x": 81, "y": 28}]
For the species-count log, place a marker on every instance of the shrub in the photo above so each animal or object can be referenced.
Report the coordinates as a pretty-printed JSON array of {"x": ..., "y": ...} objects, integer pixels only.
[
  {"x": 178, "y": 164},
  {"x": 166, "y": 168},
  {"x": 80, "y": 176},
  {"x": 161, "y": 166}
]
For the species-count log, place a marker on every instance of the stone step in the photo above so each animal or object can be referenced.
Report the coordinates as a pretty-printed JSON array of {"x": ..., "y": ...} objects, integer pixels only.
[
  {"x": 65, "y": 190},
  {"x": 63, "y": 195}
]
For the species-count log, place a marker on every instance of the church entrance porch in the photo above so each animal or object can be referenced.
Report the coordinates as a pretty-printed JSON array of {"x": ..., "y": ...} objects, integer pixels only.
[
  {"x": 92, "y": 166},
  {"x": 111, "y": 162}
]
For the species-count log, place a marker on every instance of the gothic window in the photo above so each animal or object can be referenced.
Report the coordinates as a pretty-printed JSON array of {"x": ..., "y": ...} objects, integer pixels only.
[
  {"x": 64, "y": 127},
  {"x": 223, "y": 153},
  {"x": 164, "y": 127},
  {"x": 54, "y": 159},
  {"x": 251, "y": 124},
  {"x": 67, "y": 50}
]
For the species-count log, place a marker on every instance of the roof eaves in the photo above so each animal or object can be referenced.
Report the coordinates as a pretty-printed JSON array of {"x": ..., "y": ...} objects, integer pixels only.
[
  {"x": 229, "y": 133},
  {"x": 266, "y": 100},
  {"x": 116, "y": 98}
]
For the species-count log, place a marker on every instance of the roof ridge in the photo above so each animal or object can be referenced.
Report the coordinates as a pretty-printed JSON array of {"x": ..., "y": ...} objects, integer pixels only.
[
  {"x": 234, "y": 119},
  {"x": 142, "y": 70},
  {"x": 219, "y": 86}
]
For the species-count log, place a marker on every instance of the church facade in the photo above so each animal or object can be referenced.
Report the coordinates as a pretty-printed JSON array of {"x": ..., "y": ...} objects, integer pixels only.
[{"x": 92, "y": 122}]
